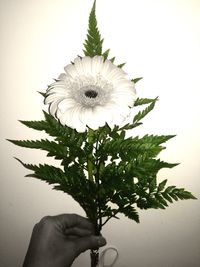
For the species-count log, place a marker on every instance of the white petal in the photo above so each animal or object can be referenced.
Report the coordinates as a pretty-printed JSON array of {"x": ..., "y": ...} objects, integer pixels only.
[
  {"x": 115, "y": 75},
  {"x": 103, "y": 115},
  {"x": 71, "y": 119},
  {"x": 79, "y": 66},
  {"x": 65, "y": 104},
  {"x": 97, "y": 64},
  {"x": 85, "y": 115},
  {"x": 86, "y": 62},
  {"x": 57, "y": 90},
  {"x": 107, "y": 68},
  {"x": 80, "y": 127},
  {"x": 51, "y": 97},
  {"x": 54, "y": 107},
  {"x": 97, "y": 120},
  {"x": 71, "y": 70},
  {"x": 62, "y": 76}
]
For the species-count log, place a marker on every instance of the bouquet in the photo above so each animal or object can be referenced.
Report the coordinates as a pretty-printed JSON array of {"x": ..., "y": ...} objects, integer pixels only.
[{"x": 101, "y": 168}]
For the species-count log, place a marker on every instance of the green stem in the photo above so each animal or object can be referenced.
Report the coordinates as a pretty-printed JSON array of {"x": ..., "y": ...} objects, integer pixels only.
[
  {"x": 90, "y": 167},
  {"x": 90, "y": 156}
]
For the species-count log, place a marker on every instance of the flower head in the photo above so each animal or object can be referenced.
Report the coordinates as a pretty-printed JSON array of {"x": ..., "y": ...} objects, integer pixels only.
[{"x": 91, "y": 92}]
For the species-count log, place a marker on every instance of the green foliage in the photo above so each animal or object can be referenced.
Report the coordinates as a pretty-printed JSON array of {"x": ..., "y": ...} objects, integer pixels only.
[
  {"x": 124, "y": 170},
  {"x": 93, "y": 43},
  {"x": 143, "y": 101},
  {"x": 103, "y": 170},
  {"x": 121, "y": 65},
  {"x": 136, "y": 79},
  {"x": 53, "y": 148},
  {"x": 141, "y": 114}
]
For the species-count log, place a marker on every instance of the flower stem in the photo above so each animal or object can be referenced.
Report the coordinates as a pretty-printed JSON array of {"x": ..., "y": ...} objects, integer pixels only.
[
  {"x": 90, "y": 156},
  {"x": 94, "y": 255}
]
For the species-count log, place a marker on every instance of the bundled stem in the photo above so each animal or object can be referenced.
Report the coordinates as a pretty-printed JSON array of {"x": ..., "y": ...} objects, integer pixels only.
[
  {"x": 94, "y": 255},
  {"x": 90, "y": 156}
]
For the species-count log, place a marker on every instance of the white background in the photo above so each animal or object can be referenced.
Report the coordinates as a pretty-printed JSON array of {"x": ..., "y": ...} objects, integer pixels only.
[{"x": 159, "y": 40}]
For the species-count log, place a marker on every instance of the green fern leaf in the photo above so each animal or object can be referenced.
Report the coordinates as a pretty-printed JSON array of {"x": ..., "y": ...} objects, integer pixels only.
[
  {"x": 121, "y": 65},
  {"x": 155, "y": 139},
  {"x": 112, "y": 59},
  {"x": 37, "y": 125},
  {"x": 143, "y": 101},
  {"x": 53, "y": 148},
  {"x": 161, "y": 185},
  {"x": 161, "y": 200},
  {"x": 130, "y": 212},
  {"x": 93, "y": 43},
  {"x": 105, "y": 54},
  {"x": 141, "y": 114},
  {"x": 137, "y": 79},
  {"x": 172, "y": 193},
  {"x": 50, "y": 174},
  {"x": 167, "y": 197}
]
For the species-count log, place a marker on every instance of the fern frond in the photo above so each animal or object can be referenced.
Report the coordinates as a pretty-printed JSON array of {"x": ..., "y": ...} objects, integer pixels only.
[
  {"x": 143, "y": 101},
  {"x": 93, "y": 43},
  {"x": 53, "y": 148},
  {"x": 141, "y": 114}
]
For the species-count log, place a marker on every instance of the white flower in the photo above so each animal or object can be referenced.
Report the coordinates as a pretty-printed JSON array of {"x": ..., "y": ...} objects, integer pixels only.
[{"x": 91, "y": 92}]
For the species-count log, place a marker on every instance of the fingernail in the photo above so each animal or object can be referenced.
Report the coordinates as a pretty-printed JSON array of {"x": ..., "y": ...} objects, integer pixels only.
[{"x": 101, "y": 241}]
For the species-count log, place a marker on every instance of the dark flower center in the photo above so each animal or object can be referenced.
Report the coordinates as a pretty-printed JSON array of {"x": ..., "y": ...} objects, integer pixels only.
[{"x": 91, "y": 93}]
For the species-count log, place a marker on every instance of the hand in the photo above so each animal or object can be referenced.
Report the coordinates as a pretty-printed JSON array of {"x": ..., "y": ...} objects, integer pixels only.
[{"x": 57, "y": 240}]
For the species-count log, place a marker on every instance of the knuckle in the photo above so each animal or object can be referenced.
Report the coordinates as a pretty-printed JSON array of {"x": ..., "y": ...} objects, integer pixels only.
[
  {"x": 94, "y": 242},
  {"x": 35, "y": 227},
  {"x": 74, "y": 217},
  {"x": 46, "y": 220}
]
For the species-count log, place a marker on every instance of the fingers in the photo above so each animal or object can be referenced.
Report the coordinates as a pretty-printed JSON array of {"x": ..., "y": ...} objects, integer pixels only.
[
  {"x": 89, "y": 242},
  {"x": 76, "y": 231},
  {"x": 73, "y": 220}
]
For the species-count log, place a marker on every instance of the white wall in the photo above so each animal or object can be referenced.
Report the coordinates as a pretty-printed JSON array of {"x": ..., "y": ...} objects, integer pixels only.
[{"x": 159, "y": 40}]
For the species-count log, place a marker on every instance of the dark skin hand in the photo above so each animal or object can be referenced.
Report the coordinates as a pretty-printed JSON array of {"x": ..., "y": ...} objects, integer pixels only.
[{"x": 57, "y": 240}]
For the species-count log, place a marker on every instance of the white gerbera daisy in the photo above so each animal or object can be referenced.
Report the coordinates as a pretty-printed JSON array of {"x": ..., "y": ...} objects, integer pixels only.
[{"x": 92, "y": 92}]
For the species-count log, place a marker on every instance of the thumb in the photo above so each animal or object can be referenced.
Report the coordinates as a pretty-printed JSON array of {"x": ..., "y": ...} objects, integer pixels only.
[{"x": 89, "y": 242}]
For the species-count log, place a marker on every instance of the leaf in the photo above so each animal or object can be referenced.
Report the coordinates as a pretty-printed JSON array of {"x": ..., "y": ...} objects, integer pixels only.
[
  {"x": 105, "y": 54},
  {"x": 93, "y": 43},
  {"x": 167, "y": 197},
  {"x": 42, "y": 93},
  {"x": 162, "y": 164},
  {"x": 121, "y": 65},
  {"x": 161, "y": 185},
  {"x": 137, "y": 79},
  {"x": 169, "y": 189},
  {"x": 37, "y": 125},
  {"x": 51, "y": 126},
  {"x": 55, "y": 128},
  {"x": 153, "y": 185},
  {"x": 177, "y": 193},
  {"x": 130, "y": 212},
  {"x": 161, "y": 200},
  {"x": 156, "y": 139},
  {"x": 69, "y": 183},
  {"x": 141, "y": 114},
  {"x": 186, "y": 195},
  {"x": 112, "y": 59},
  {"x": 50, "y": 174},
  {"x": 53, "y": 148},
  {"x": 143, "y": 101}
]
